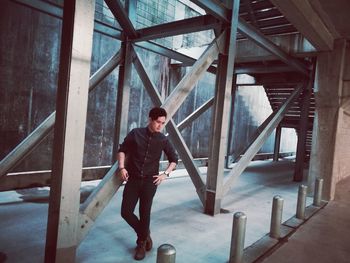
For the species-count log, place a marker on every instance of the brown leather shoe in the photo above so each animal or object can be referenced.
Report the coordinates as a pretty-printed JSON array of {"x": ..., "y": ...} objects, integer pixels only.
[
  {"x": 140, "y": 250},
  {"x": 149, "y": 243}
]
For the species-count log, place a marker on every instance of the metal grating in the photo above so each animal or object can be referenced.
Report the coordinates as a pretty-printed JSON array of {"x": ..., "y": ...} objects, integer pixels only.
[
  {"x": 264, "y": 16},
  {"x": 277, "y": 95}
]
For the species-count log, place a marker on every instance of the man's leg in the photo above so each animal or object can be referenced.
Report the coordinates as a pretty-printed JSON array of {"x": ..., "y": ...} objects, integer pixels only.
[
  {"x": 130, "y": 198},
  {"x": 146, "y": 198}
]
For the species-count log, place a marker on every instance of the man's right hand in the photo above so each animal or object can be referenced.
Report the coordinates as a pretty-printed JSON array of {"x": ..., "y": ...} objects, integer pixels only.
[{"x": 124, "y": 174}]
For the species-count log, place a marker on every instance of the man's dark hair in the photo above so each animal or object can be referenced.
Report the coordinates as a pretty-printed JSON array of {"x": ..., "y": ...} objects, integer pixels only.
[{"x": 157, "y": 112}]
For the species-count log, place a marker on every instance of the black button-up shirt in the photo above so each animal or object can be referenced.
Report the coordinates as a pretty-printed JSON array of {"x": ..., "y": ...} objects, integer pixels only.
[{"x": 143, "y": 150}]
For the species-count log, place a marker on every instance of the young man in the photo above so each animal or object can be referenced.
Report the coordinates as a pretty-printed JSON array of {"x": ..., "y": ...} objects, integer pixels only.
[{"x": 138, "y": 158}]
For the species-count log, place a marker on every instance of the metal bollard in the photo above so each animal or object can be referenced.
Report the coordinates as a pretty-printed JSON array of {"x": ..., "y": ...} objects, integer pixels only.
[
  {"x": 301, "y": 202},
  {"x": 318, "y": 192},
  {"x": 166, "y": 253},
  {"x": 276, "y": 217},
  {"x": 238, "y": 236}
]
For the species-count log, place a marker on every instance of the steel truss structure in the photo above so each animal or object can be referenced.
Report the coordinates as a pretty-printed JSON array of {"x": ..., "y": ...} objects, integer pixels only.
[{"x": 69, "y": 222}]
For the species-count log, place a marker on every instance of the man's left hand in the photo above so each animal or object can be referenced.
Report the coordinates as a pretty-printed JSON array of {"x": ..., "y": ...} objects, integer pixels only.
[{"x": 159, "y": 178}]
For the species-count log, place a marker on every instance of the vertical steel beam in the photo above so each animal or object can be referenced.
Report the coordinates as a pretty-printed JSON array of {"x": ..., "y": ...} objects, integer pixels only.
[
  {"x": 123, "y": 98},
  {"x": 276, "y": 151},
  {"x": 124, "y": 87},
  {"x": 232, "y": 112},
  {"x": 220, "y": 120},
  {"x": 302, "y": 132},
  {"x": 303, "y": 127},
  {"x": 69, "y": 131}
]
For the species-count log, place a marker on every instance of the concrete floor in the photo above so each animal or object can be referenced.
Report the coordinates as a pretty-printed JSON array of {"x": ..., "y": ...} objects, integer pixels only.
[
  {"x": 177, "y": 219},
  {"x": 325, "y": 238}
]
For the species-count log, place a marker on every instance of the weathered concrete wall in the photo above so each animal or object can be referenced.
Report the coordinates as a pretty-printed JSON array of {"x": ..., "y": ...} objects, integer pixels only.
[
  {"x": 29, "y": 50},
  {"x": 251, "y": 109},
  {"x": 29, "y": 71},
  {"x": 197, "y": 134}
]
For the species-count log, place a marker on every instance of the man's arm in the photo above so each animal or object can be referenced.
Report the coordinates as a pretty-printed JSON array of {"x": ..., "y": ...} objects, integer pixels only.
[
  {"x": 123, "y": 150},
  {"x": 159, "y": 178},
  {"x": 170, "y": 168},
  {"x": 121, "y": 163},
  {"x": 121, "y": 159}
]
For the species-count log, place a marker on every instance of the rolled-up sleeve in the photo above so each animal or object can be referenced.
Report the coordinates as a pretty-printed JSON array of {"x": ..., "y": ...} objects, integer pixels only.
[
  {"x": 127, "y": 143},
  {"x": 170, "y": 152}
]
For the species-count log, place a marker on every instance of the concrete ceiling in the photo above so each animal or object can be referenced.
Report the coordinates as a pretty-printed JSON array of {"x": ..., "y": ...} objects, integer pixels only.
[
  {"x": 336, "y": 12},
  {"x": 320, "y": 21}
]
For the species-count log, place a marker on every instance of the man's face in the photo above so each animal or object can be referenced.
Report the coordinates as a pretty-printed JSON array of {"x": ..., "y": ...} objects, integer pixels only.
[{"x": 156, "y": 125}]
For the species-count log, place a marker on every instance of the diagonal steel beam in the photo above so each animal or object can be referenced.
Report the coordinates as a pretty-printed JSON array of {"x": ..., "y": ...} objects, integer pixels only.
[
  {"x": 214, "y": 8},
  {"x": 24, "y": 180},
  {"x": 97, "y": 201},
  {"x": 174, "y": 133},
  {"x": 221, "y": 12},
  {"x": 166, "y": 52},
  {"x": 194, "y": 115},
  {"x": 121, "y": 15},
  {"x": 40, "y": 133},
  {"x": 172, "y": 54},
  {"x": 185, "y": 86},
  {"x": 180, "y": 27},
  {"x": 257, "y": 144}
]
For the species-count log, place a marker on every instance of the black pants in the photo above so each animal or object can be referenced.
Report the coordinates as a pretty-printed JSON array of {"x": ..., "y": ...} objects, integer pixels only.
[{"x": 135, "y": 190}]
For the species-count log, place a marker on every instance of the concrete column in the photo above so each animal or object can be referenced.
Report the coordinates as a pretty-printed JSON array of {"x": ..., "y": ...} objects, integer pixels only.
[
  {"x": 69, "y": 132},
  {"x": 330, "y": 155}
]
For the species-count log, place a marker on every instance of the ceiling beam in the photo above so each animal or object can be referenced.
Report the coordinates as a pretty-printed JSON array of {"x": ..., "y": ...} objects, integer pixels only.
[
  {"x": 172, "y": 54},
  {"x": 221, "y": 12},
  {"x": 57, "y": 11},
  {"x": 302, "y": 15},
  {"x": 260, "y": 69},
  {"x": 180, "y": 27}
]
